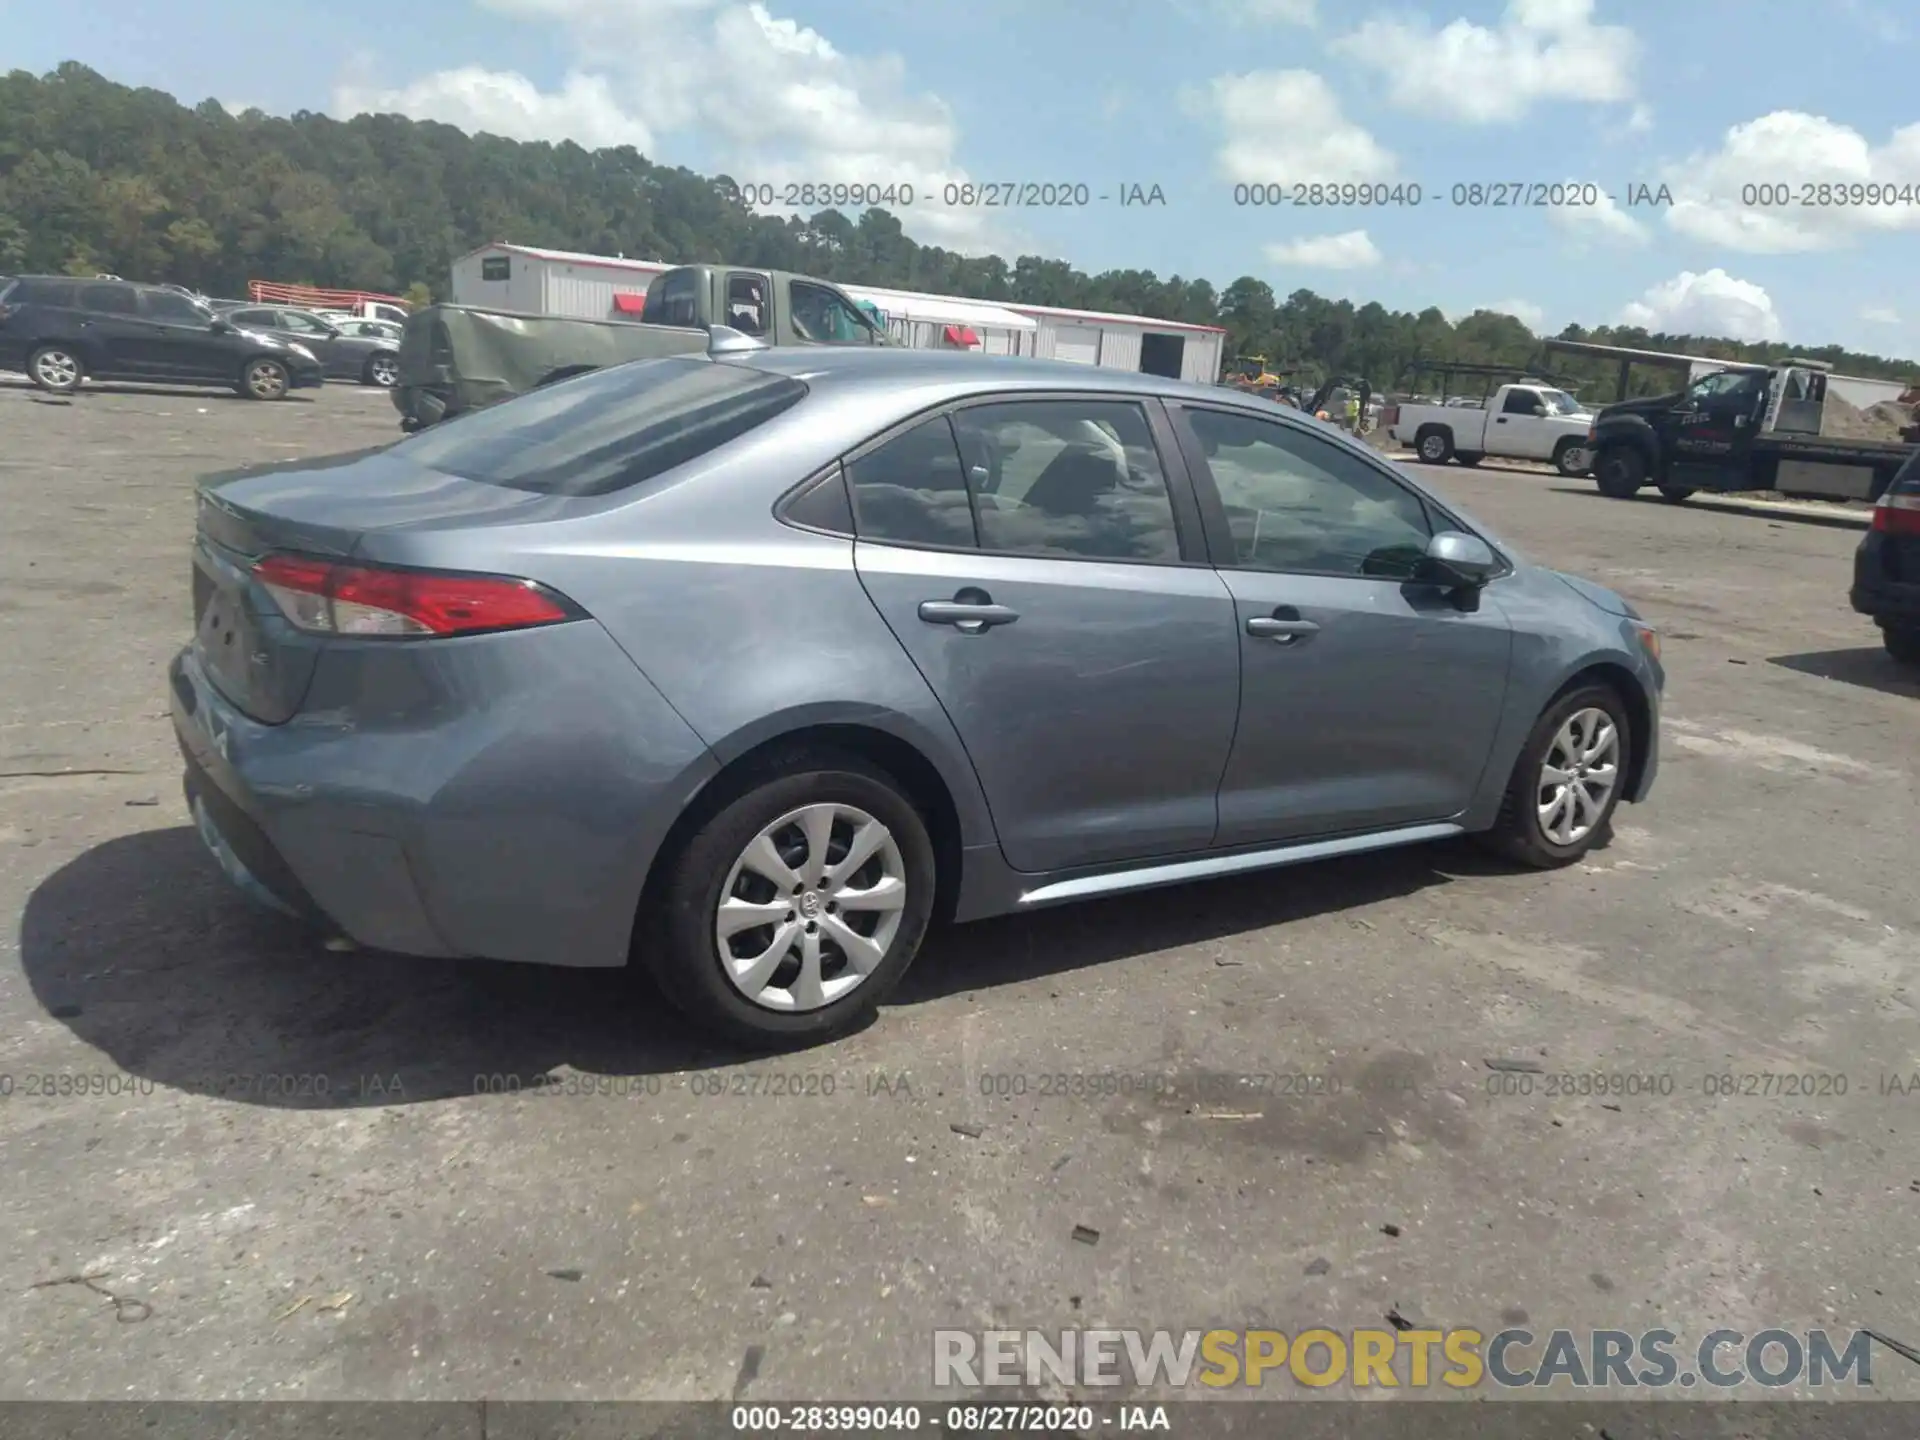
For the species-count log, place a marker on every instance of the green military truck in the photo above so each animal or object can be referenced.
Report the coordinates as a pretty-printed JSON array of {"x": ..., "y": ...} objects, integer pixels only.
[{"x": 455, "y": 358}]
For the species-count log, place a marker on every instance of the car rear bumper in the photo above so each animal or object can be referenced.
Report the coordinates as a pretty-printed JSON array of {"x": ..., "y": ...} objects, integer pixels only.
[
  {"x": 501, "y": 800},
  {"x": 1875, "y": 592}
]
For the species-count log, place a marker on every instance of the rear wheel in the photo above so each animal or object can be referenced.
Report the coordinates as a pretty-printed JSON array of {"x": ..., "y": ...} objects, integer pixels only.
[
  {"x": 1434, "y": 446},
  {"x": 382, "y": 370},
  {"x": 1570, "y": 458},
  {"x": 796, "y": 906},
  {"x": 1620, "y": 473},
  {"x": 55, "y": 368},
  {"x": 264, "y": 380},
  {"x": 1560, "y": 799},
  {"x": 1902, "y": 642}
]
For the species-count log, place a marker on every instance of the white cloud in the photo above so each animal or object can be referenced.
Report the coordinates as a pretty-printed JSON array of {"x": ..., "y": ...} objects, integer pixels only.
[
  {"x": 1713, "y": 304},
  {"x": 1604, "y": 219},
  {"x": 1285, "y": 127},
  {"x": 1351, "y": 250},
  {"x": 1640, "y": 119},
  {"x": 1785, "y": 151},
  {"x": 1525, "y": 311},
  {"x": 1880, "y": 315},
  {"x": 772, "y": 100},
  {"x": 583, "y": 110},
  {"x": 1541, "y": 50}
]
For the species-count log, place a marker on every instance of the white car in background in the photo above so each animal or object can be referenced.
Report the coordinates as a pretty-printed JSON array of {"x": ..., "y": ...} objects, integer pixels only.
[{"x": 1527, "y": 420}]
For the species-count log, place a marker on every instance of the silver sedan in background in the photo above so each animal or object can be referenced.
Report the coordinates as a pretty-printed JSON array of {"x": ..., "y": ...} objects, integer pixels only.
[{"x": 749, "y": 666}]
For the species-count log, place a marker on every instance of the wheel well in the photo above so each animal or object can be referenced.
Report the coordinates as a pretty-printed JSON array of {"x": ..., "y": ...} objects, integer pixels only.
[
  {"x": 1432, "y": 427},
  {"x": 1626, "y": 686},
  {"x": 905, "y": 765}
]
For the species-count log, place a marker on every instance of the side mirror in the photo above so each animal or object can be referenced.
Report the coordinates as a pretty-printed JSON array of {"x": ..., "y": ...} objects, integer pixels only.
[
  {"x": 1456, "y": 561},
  {"x": 1541, "y": 411}
]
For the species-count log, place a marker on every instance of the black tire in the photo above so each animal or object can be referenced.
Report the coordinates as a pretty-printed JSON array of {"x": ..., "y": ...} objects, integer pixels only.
[
  {"x": 263, "y": 379},
  {"x": 1434, "y": 445},
  {"x": 382, "y": 369},
  {"x": 1564, "y": 461},
  {"x": 1517, "y": 834},
  {"x": 1620, "y": 472},
  {"x": 1676, "y": 494},
  {"x": 1468, "y": 458},
  {"x": 56, "y": 369},
  {"x": 1902, "y": 642},
  {"x": 678, "y": 947}
]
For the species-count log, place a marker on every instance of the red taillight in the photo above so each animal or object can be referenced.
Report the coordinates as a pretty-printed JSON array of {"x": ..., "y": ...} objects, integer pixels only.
[
  {"x": 1389, "y": 417},
  {"x": 1897, "y": 515},
  {"x": 326, "y": 598}
]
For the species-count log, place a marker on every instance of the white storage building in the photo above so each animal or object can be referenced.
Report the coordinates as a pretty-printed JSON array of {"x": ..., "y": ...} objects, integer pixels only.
[
  {"x": 1172, "y": 348},
  {"x": 533, "y": 281},
  {"x": 940, "y": 322},
  {"x": 536, "y": 281}
]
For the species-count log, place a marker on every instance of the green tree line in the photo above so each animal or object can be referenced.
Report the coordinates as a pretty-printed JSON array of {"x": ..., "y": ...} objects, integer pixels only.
[{"x": 100, "y": 177}]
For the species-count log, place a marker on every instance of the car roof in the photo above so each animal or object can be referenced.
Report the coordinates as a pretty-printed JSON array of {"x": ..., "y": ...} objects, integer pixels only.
[{"x": 882, "y": 367}]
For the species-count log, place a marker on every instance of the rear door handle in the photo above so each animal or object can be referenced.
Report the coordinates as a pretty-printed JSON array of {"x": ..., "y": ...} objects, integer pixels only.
[
  {"x": 1283, "y": 627},
  {"x": 970, "y": 617}
]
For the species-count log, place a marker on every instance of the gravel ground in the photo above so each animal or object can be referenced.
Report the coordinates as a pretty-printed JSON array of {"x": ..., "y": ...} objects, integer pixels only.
[{"x": 371, "y": 1227}]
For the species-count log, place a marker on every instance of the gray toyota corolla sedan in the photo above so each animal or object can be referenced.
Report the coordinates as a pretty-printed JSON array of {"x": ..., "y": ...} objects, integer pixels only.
[{"x": 749, "y": 665}]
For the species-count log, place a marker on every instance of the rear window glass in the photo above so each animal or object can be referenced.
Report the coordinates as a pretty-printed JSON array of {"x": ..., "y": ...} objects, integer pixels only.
[
  {"x": 606, "y": 431},
  {"x": 44, "y": 292},
  {"x": 1907, "y": 482}
]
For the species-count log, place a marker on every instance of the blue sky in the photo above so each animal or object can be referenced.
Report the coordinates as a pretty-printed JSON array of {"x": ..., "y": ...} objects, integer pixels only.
[{"x": 1706, "y": 97}]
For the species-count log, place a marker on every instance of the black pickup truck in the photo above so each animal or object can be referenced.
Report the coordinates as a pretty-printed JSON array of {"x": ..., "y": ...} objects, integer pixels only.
[{"x": 1739, "y": 428}]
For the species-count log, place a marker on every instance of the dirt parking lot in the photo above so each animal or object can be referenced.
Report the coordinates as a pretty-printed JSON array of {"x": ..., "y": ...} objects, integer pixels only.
[{"x": 283, "y": 1173}]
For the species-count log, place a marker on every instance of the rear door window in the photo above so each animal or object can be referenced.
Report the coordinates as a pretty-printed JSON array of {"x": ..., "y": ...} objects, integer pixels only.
[
  {"x": 109, "y": 299},
  {"x": 608, "y": 430}
]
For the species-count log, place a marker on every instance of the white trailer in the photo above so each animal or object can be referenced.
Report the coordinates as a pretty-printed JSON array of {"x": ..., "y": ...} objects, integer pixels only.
[{"x": 533, "y": 281}]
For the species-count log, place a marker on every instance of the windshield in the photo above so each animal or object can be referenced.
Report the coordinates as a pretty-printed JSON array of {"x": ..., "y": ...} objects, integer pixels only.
[
  {"x": 1560, "y": 402},
  {"x": 607, "y": 430}
]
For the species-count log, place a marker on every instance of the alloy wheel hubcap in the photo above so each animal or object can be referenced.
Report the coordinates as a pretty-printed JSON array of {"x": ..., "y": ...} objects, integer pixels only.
[
  {"x": 1432, "y": 449},
  {"x": 266, "y": 382},
  {"x": 810, "y": 908},
  {"x": 57, "y": 369},
  {"x": 1579, "y": 774},
  {"x": 383, "y": 372}
]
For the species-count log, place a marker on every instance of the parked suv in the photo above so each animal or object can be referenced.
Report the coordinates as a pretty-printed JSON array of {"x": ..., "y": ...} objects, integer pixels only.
[
  {"x": 371, "y": 358},
  {"x": 62, "y": 330},
  {"x": 1886, "y": 567}
]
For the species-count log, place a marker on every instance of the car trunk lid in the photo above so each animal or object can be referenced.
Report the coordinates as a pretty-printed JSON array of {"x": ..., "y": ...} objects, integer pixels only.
[{"x": 257, "y": 659}]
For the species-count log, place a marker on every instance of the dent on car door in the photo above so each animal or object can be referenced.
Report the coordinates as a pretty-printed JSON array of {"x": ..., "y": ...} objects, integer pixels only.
[
  {"x": 1367, "y": 701},
  {"x": 1087, "y": 662}
]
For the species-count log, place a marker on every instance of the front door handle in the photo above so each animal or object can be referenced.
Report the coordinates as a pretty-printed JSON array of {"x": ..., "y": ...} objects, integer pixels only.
[
  {"x": 1283, "y": 627},
  {"x": 968, "y": 615}
]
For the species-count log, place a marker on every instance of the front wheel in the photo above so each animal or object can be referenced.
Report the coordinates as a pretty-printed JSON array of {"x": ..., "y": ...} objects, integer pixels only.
[
  {"x": 1567, "y": 781},
  {"x": 264, "y": 380},
  {"x": 797, "y": 906},
  {"x": 1570, "y": 459},
  {"x": 1468, "y": 458},
  {"x": 55, "y": 368},
  {"x": 1621, "y": 472},
  {"x": 1676, "y": 494},
  {"x": 1902, "y": 642}
]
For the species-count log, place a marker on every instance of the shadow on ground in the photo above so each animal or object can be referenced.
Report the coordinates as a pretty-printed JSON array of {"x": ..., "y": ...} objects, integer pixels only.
[
  {"x": 145, "y": 952},
  {"x": 183, "y": 392},
  {"x": 1868, "y": 666}
]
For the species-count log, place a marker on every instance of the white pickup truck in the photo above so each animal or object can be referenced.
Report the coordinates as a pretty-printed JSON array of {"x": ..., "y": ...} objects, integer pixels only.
[{"x": 1527, "y": 420}]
